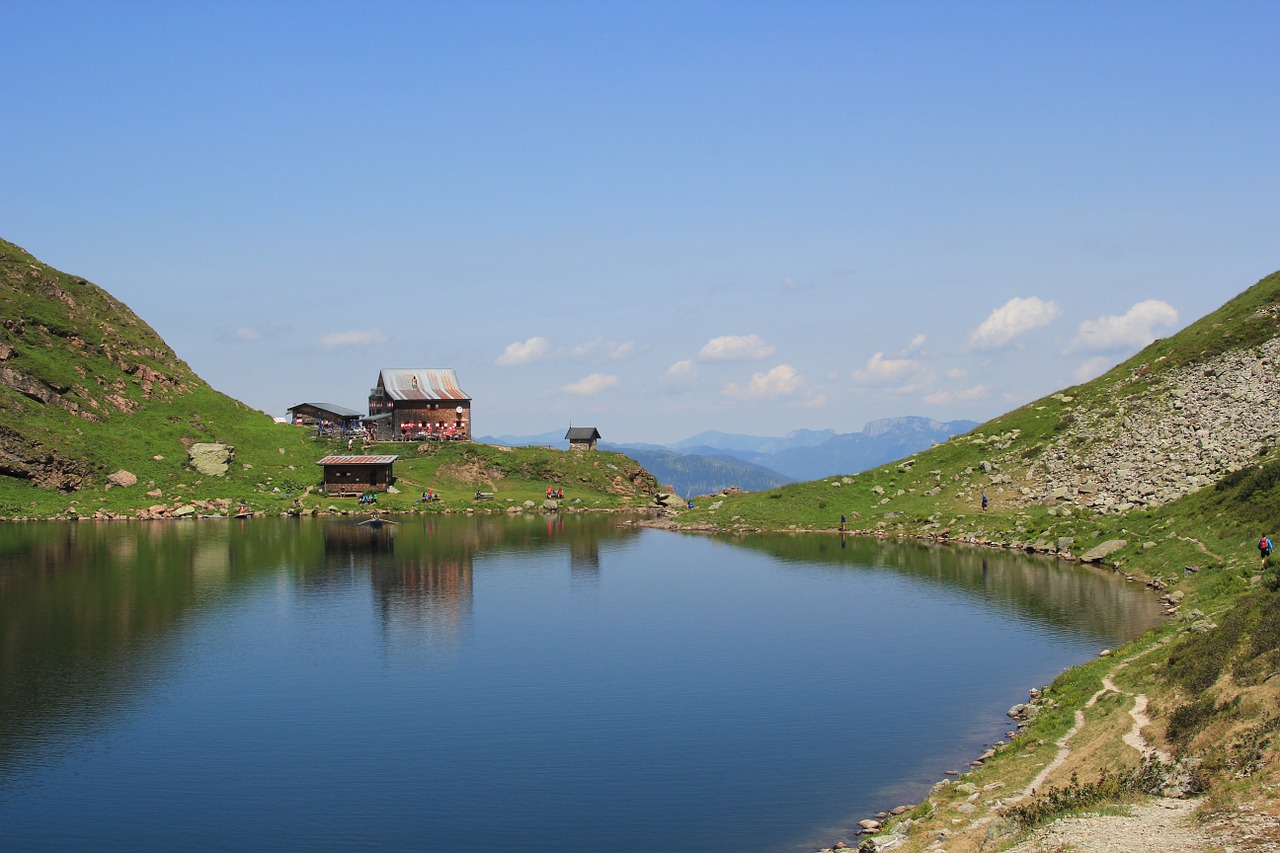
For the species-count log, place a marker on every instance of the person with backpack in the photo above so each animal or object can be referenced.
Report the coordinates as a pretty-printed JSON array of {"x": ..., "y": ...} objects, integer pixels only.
[{"x": 1265, "y": 547}]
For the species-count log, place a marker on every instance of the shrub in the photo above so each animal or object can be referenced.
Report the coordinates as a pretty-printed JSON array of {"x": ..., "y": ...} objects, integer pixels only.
[{"x": 1188, "y": 720}]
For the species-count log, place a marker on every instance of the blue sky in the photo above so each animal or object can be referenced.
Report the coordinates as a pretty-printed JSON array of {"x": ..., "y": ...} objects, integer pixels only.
[{"x": 653, "y": 218}]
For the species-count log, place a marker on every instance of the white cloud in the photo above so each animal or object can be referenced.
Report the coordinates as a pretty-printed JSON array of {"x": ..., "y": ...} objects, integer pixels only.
[
  {"x": 1094, "y": 367},
  {"x": 612, "y": 350},
  {"x": 589, "y": 385},
  {"x": 780, "y": 382},
  {"x": 523, "y": 353},
  {"x": 1132, "y": 330},
  {"x": 1012, "y": 320},
  {"x": 881, "y": 370},
  {"x": 977, "y": 392},
  {"x": 353, "y": 339},
  {"x": 682, "y": 371},
  {"x": 916, "y": 343},
  {"x": 248, "y": 333},
  {"x": 736, "y": 348},
  {"x": 956, "y": 373}
]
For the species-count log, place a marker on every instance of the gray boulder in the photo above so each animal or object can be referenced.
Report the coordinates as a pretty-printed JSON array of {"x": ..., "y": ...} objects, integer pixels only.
[
  {"x": 1106, "y": 549},
  {"x": 212, "y": 460}
]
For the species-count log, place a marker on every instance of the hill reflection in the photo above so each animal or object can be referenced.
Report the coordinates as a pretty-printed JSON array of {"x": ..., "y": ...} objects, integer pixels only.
[
  {"x": 93, "y": 617},
  {"x": 1030, "y": 586}
]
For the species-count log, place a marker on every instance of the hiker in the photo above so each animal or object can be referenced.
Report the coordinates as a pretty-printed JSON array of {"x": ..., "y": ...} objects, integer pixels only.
[
  {"x": 1265, "y": 547},
  {"x": 984, "y": 501},
  {"x": 842, "y": 521}
]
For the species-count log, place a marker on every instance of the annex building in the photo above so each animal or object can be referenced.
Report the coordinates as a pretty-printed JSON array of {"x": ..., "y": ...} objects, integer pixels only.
[{"x": 328, "y": 418}]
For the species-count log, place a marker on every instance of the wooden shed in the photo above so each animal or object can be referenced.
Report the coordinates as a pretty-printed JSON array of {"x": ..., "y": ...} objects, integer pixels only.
[
  {"x": 582, "y": 438},
  {"x": 354, "y": 475}
]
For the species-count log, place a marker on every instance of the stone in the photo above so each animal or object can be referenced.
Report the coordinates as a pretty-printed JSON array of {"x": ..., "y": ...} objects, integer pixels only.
[
  {"x": 122, "y": 478},
  {"x": 211, "y": 459},
  {"x": 1106, "y": 549},
  {"x": 184, "y": 511}
]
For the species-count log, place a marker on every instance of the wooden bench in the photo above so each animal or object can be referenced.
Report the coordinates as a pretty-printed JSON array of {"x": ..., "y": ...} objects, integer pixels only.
[
  {"x": 345, "y": 492},
  {"x": 484, "y": 496}
]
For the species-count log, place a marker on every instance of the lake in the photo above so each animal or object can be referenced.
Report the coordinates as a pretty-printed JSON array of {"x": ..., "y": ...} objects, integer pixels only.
[{"x": 537, "y": 683}]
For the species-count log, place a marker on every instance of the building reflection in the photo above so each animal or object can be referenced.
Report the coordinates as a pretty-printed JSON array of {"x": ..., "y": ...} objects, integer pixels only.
[{"x": 418, "y": 584}]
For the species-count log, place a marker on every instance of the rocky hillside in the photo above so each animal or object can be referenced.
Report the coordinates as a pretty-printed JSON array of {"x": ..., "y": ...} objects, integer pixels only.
[
  {"x": 1184, "y": 430},
  {"x": 1172, "y": 420},
  {"x": 72, "y": 358},
  {"x": 1162, "y": 426}
]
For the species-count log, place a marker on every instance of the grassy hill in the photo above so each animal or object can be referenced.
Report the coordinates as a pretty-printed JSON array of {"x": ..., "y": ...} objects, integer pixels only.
[
  {"x": 88, "y": 389},
  {"x": 1068, "y": 467}
]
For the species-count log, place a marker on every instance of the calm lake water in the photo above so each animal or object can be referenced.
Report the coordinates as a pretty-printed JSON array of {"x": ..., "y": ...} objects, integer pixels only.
[{"x": 529, "y": 684}]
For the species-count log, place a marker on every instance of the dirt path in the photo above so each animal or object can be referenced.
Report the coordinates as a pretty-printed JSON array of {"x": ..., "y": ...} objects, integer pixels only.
[
  {"x": 1132, "y": 738},
  {"x": 1159, "y": 826}
]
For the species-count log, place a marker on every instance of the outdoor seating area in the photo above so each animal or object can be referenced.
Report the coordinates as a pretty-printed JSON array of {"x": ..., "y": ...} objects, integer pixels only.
[{"x": 428, "y": 431}]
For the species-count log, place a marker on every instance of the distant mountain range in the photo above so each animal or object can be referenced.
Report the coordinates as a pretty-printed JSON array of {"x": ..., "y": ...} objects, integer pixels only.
[{"x": 712, "y": 461}]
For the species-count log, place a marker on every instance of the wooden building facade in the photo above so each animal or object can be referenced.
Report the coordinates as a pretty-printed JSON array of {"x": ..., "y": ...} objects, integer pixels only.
[{"x": 419, "y": 403}]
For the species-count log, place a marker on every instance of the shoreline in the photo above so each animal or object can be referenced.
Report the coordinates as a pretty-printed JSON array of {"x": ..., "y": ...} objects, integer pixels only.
[
  {"x": 882, "y": 830},
  {"x": 886, "y": 829}
]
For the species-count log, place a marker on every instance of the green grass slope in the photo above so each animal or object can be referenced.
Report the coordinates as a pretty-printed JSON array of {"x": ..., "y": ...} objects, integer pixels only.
[
  {"x": 88, "y": 389},
  {"x": 937, "y": 493}
]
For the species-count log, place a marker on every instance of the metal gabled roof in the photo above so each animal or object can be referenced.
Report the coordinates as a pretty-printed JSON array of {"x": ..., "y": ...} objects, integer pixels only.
[
  {"x": 340, "y": 411},
  {"x": 358, "y": 460},
  {"x": 582, "y": 433},
  {"x": 420, "y": 383}
]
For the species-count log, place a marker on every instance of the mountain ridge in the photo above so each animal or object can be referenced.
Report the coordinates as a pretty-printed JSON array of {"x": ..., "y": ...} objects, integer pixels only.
[{"x": 711, "y": 461}]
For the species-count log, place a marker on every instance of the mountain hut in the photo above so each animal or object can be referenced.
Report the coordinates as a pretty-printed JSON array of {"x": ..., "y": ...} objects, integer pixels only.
[{"x": 422, "y": 403}]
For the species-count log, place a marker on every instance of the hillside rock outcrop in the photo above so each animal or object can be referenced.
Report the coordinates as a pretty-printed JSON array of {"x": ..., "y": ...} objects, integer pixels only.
[{"x": 1182, "y": 431}]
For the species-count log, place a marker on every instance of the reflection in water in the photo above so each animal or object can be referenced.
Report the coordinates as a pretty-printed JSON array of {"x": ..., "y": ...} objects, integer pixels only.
[
  {"x": 1034, "y": 586},
  {"x": 328, "y": 657},
  {"x": 87, "y": 611}
]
